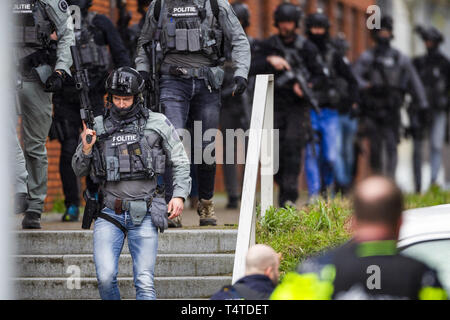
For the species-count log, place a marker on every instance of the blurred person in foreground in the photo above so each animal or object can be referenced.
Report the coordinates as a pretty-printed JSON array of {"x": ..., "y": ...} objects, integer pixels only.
[
  {"x": 261, "y": 276},
  {"x": 368, "y": 266}
]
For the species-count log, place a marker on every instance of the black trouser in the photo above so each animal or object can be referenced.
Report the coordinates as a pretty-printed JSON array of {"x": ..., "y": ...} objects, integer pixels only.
[
  {"x": 293, "y": 123},
  {"x": 235, "y": 114},
  {"x": 383, "y": 138},
  {"x": 67, "y": 119}
]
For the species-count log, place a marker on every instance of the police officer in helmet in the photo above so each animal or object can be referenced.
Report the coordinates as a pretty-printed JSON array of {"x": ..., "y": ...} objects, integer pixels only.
[
  {"x": 336, "y": 95},
  {"x": 100, "y": 48},
  {"x": 191, "y": 72},
  {"x": 129, "y": 149},
  {"x": 434, "y": 70},
  {"x": 385, "y": 75},
  {"x": 44, "y": 63},
  {"x": 283, "y": 52}
]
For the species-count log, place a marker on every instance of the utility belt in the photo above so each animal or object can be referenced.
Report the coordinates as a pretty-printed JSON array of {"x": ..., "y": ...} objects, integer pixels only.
[
  {"x": 137, "y": 208},
  {"x": 119, "y": 206},
  {"x": 213, "y": 76}
]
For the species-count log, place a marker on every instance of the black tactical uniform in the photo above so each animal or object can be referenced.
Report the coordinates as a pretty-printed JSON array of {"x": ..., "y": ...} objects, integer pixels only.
[
  {"x": 97, "y": 33},
  {"x": 385, "y": 75},
  {"x": 434, "y": 70},
  {"x": 290, "y": 111},
  {"x": 235, "y": 113}
]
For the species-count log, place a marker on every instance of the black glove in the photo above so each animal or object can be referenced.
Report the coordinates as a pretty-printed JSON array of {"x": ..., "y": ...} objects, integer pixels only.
[
  {"x": 55, "y": 82},
  {"x": 145, "y": 75},
  {"x": 159, "y": 215},
  {"x": 241, "y": 85}
]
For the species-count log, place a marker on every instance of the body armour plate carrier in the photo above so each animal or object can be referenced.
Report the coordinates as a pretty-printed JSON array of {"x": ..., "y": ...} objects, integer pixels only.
[
  {"x": 127, "y": 154},
  {"x": 189, "y": 28},
  {"x": 93, "y": 56},
  {"x": 335, "y": 93},
  {"x": 435, "y": 83},
  {"x": 33, "y": 27}
]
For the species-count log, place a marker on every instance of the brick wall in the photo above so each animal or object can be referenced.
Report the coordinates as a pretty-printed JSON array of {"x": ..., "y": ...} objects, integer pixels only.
[{"x": 346, "y": 16}]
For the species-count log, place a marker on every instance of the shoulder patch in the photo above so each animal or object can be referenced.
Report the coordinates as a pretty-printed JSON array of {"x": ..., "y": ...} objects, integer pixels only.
[{"x": 62, "y": 5}]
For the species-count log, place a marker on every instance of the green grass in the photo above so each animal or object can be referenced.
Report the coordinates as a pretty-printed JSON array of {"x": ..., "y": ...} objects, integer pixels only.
[{"x": 298, "y": 234}]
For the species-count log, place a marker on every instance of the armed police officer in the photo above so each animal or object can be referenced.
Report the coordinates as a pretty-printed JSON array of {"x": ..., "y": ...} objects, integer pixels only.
[
  {"x": 129, "y": 149},
  {"x": 434, "y": 70},
  {"x": 43, "y": 69},
  {"x": 292, "y": 58},
  {"x": 385, "y": 76},
  {"x": 100, "y": 48},
  {"x": 192, "y": 34},
  {"x": 335, "y": 96}
]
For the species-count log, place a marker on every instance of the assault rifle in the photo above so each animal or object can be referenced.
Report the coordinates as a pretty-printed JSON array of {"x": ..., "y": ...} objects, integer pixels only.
[
  {"x": 81, "y": 79},
  {"x": 298, "y": 74}
]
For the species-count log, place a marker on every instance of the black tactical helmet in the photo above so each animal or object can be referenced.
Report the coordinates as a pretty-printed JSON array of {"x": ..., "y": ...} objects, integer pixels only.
[
  {"x": 317, "y": 19},
  {"x": 430, "y": 34},
  {"x": 387, "y": 23},
  {"x": 124, "y": 81},
  {"x": 287, "y": 12},
  {"x": 242, "y": 13}
]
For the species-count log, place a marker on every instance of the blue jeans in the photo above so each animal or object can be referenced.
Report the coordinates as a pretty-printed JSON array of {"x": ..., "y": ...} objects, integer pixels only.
[
  {"x": 108, "y": 244},
  {"x": 345, "y": 150},
  {"x": 320, "y": 163},
  {"x": 189, "y": 100}
]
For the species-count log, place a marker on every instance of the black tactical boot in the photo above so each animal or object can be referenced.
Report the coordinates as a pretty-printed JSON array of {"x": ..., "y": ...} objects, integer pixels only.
[
  {"x": 31, "y": 220},
  {"x": 232, "y": 202}
]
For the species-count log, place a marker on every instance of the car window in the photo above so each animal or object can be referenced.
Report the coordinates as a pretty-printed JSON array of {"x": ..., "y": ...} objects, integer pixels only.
[{"x": 436, "y": 254}]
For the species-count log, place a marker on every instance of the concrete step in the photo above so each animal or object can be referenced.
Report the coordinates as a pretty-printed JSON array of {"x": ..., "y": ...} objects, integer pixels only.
[
  {"x": 167, "y": 265},
  {"x": 172, "y": 241},
  {"x": 166, "y": 287}
]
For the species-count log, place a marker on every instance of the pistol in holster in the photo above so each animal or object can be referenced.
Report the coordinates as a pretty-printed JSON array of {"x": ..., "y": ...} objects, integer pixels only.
[{"x": 91, "y": 210}]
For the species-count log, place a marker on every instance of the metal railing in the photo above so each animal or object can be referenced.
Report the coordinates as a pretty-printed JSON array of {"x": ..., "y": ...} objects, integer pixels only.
[{"x": 260, "y": 151}]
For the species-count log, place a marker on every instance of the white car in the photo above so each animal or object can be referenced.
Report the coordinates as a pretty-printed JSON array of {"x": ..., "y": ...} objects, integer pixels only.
[{"x": 425, "y": 236}]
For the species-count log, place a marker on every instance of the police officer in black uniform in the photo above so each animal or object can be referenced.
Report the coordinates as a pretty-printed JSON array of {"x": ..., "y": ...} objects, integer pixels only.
[
  {"x": 96, "y": 35},
  {"x": 385, "y": 75},
  {"x": 291, "y": 112},
  {"x": 336, "y": 95},
  {"x": 434, "y": 70},
  {"x": 236, "y": 111}
]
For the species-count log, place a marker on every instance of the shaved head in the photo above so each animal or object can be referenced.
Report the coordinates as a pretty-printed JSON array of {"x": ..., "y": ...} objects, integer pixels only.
[
  {"x": 262, "y": 259},
  {"x": 378, "y": 200}
]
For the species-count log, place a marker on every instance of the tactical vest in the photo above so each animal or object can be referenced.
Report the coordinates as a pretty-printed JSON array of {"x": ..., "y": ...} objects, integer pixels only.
[
  {"x": 435, "y": 83},
  {"x": 94, "y": 56},
  {"x": 33, "y": 27},
  {"x": 127, "y": 151},
  {"x": 335, "y": 93},
  {"x": 386, "y": 70},
  {"x": 190, "y": 28}
]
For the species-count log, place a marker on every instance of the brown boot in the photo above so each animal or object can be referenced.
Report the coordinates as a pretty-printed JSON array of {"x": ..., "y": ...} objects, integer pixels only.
[
  {"x": 175, "y": 223},
  {"x": 205, "y": 210}
]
